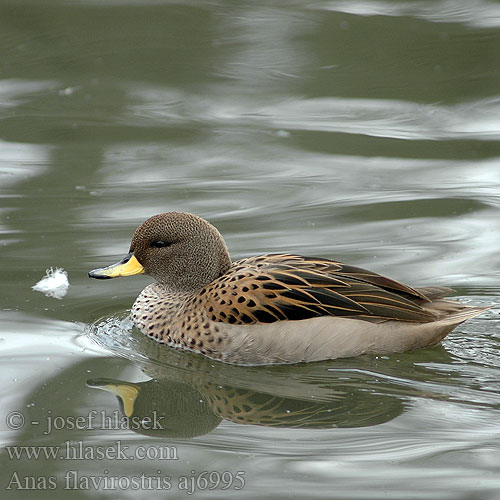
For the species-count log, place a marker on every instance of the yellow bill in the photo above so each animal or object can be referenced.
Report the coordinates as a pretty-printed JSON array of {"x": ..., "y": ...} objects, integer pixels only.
[{"x": 126, "y": 267}]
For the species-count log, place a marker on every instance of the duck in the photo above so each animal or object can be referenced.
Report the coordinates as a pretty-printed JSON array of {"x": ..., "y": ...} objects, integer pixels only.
[{"x": 274, "y": 308}]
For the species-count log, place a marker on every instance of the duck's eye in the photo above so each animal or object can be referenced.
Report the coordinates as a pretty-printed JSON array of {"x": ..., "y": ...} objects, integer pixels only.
[{"x": 160, "y": 244}]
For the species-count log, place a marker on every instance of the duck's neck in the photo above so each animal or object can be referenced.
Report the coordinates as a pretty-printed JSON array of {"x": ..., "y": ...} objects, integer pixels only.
[{"x": 193, "y": 278}]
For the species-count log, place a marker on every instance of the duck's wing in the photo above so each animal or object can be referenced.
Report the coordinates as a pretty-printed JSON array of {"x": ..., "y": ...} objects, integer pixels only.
[{"x": 277, "y": 287}]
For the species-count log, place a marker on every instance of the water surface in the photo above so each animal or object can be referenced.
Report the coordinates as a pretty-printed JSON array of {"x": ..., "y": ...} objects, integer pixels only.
[{"x": 363, "y": 131}]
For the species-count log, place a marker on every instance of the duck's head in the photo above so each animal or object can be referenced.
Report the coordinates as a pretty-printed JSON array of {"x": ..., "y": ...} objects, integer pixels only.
[{"x": 181, "y": 251}]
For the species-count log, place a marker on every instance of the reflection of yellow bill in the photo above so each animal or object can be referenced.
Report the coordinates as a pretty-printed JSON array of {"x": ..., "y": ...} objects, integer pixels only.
[
  {"x": 126, "y": 392},
  {"x": 126, "y": 267}
]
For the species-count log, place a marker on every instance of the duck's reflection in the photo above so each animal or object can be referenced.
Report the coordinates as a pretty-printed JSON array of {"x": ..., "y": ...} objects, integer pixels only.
[
  {"x": 190, "y": 395},
  {"x": 162, "y": 407}
]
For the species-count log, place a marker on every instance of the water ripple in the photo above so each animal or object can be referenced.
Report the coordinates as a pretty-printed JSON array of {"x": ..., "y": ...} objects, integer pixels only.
[
  {"x": 474, "y": 13},
  {"x": 372, "y": 117}
]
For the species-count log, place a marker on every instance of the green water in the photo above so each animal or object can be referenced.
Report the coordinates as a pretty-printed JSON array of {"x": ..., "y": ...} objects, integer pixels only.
[{"x": 363, "y": 131}]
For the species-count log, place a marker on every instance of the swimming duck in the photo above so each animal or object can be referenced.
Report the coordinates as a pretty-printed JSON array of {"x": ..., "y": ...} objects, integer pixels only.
[{"x": 272, "y": 308}]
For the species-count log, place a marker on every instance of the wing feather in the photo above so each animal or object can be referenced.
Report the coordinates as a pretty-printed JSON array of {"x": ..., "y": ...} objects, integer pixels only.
[{"x": 276, "y": 287}]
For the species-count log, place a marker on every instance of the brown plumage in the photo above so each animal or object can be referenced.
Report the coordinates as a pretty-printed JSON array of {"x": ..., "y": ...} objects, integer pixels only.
[{"x": 274, "y": 308}]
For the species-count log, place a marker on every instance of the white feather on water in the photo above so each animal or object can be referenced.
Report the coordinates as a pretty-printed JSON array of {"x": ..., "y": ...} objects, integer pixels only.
[{"x": 54, "y": 284}]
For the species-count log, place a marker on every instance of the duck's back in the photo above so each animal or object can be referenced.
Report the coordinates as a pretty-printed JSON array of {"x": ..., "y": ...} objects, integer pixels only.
[{"x": 277, "y": 287}]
